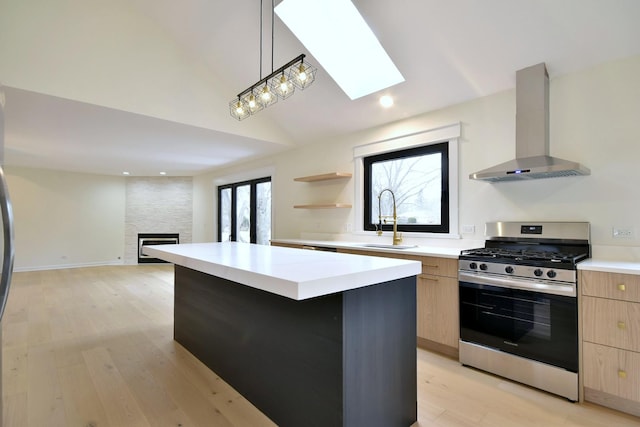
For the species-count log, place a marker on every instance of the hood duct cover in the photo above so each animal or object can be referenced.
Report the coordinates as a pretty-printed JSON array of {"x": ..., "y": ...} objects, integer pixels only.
[{"x": 532, "y": 135}]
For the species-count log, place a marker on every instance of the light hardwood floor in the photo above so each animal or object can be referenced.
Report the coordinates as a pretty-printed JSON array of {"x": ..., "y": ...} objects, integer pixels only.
[{"x": 93, "y": 347}]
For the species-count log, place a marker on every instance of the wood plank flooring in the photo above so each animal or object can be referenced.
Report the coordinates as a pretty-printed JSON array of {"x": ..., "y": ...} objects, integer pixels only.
[{"x": 93, "y": 347}]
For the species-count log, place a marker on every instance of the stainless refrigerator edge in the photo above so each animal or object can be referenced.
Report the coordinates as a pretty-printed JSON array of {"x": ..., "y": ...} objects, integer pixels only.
[{"x": 7, "y": 238}]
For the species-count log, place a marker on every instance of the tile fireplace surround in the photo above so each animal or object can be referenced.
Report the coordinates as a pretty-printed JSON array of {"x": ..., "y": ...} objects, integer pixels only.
[{"x": 157, "y": 205}]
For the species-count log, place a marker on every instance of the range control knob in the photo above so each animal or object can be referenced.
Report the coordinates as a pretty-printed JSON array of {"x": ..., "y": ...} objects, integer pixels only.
[
  {"x": 483, "y": 267},
  {"x": 538, "y": 272},
  {"x": 473, "y": 265},
  {"x": 551, "y": 274},
  {"x": 508, "y": 269}
]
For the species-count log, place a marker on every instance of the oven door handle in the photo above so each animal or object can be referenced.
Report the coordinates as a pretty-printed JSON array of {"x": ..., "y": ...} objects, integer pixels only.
[{"x": 545, "y": 287}]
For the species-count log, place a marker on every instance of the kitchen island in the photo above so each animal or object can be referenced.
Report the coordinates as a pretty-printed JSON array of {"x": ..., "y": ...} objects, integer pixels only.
[{"x": 310, "y": 338}]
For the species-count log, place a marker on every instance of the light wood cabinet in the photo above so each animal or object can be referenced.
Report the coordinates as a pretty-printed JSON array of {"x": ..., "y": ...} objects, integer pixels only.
[
  {"x": 437, "y": 301},
  {"x": 611, "y": 322},
  {"x": 288, "y": 245},
  {"x": 611, "y": 339},
  {"x": 438, "y": 313},
  {"x": 623, "y": 287},
  {"x": 612, "y": 371}
]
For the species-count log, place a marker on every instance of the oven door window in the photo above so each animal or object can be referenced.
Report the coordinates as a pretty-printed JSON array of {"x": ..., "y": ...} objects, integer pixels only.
[{"x": 534, "y": 325}]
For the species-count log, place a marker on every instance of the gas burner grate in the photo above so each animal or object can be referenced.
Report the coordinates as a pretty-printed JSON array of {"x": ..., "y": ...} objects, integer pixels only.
[{"x": 524, "y": 255}]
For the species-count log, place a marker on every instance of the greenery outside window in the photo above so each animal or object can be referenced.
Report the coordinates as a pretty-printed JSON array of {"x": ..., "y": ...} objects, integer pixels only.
[
  {"x": 419, "y": 180},
  {"x": 244, "y": 211}
]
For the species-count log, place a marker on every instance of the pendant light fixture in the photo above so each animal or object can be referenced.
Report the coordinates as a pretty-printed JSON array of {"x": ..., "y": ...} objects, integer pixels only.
[{"x": 280, "y": 84}]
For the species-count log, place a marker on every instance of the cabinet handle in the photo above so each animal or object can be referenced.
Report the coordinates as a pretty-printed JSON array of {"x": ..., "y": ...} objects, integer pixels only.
[
  {"x": 430, "y": 265},
  {"x": 432, "y": 279},
  {"x": 622, "y": 325},
  {"x": 622, "y": 287},
  {"x": 622, "y": 374}
]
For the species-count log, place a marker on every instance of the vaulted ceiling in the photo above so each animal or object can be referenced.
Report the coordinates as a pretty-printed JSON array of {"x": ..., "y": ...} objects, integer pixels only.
[{"x": 144, "y": 85}]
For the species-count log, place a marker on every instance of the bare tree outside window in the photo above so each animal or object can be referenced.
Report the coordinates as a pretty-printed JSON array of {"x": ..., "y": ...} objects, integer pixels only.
[
  {"x": 225, "y": 214},
  {"x": 263, "y": 213},
  {"x": 418, "y": 178},
  {"x": 243, "y": 214}
]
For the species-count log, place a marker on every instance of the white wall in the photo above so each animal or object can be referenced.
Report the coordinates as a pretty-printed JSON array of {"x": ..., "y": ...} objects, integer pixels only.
[
  {"x": 594, "y": 120},
  {"x": 66, "y": 219}
]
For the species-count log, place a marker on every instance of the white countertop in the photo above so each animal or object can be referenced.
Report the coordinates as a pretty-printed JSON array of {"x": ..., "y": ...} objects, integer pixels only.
[
  {"x": 606, "y": 266},
  {"x": 283, "y": 271},
  {"x": 443, "y": 252}
]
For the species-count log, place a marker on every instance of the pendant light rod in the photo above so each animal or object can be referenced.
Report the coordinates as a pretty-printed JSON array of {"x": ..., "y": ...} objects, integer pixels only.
[
  {"x": 274, "y": 73},
  {"x": 272, "y": 33},
  {"x": 261, "y": 19},
  {"x": 280, "y": 84}
]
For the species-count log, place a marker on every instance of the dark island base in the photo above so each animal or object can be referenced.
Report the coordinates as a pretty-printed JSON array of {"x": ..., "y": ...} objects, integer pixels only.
[{"x": 346, "y": 359}]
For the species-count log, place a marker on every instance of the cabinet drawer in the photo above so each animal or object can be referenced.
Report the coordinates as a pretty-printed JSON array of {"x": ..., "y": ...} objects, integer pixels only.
[
  {"x": 611, "y": 322},
  {"x": 436, "y": 266},
  {"x": 612, "y": 371},
  {"x": 625, "y": 287}
]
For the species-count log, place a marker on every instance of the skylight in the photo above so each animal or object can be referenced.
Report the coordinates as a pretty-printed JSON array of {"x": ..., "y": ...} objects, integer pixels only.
[{"x": 338, "y": 37}]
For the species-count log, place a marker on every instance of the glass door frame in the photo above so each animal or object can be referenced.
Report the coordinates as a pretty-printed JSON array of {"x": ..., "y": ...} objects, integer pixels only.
[{"x": 253, "y": 183}]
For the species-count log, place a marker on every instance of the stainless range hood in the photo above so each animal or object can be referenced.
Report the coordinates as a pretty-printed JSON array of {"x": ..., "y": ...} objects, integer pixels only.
[{"x": 532, "y": 135}]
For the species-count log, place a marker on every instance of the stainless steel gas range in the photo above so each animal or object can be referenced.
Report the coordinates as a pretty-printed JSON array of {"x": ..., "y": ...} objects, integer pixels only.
[{"x": 518, "y": 303}]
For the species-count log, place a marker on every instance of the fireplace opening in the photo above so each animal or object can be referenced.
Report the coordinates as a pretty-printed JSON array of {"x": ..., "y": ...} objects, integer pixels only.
[{"x": 149, "y": 239}]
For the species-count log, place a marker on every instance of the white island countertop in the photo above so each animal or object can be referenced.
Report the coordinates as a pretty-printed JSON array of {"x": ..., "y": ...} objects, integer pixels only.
[{"x": 284, "y": 271}]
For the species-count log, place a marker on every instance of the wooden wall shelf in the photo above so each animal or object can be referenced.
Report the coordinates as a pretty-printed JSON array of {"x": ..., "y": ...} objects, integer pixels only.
[
  {"x": 323, "y": 177},
  {"x": 323, "y": 206}
]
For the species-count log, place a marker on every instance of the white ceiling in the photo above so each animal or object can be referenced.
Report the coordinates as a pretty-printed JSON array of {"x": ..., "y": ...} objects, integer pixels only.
[{"x": 448, "y": 51}]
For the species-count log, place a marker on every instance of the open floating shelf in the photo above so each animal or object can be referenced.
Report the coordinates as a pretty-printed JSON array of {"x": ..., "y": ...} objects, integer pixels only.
[
  {"x": 323, "y": 177},
  {"x": 323, "y": 206}
]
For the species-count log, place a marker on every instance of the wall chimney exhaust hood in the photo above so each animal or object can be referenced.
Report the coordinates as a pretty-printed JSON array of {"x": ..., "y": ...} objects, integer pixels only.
[{"x": 532, "y": 135}]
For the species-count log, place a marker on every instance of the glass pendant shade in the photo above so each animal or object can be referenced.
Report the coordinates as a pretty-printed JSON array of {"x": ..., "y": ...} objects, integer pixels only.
[
  {"x": 302, "y": 75},
  {"x": 238, "y": 110},
  {"x": 266, "y": 96},
  {"x": 250, "y": 99},
  {"x": 282, "y": 86}
]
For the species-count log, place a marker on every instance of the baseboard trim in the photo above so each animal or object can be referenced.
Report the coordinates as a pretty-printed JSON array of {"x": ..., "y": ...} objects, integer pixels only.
[
  {"x": 612, "y": 401},
  {"x": 437, "y": 347},
  {"x": 63, "y": 266}
]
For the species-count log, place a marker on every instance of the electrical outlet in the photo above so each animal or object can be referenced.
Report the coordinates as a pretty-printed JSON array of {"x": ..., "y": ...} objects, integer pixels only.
[
  {"x": 622, "y": 232},
  {"x": 468, "y": 229}
]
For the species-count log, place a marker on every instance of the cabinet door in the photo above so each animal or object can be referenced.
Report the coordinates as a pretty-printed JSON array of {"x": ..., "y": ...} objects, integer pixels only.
[
  {"x": 612, "y": 371},
  {"x": 610, "y": 322},
  {"x": 438, "y": 309}
]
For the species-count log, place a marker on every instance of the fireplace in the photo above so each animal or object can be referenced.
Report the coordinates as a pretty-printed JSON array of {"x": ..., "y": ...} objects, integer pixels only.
[{"x": 148, "y": 239}]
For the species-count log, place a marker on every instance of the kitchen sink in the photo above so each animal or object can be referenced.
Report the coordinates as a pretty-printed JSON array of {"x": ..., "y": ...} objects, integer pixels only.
[{"x": 388, "y": 246}]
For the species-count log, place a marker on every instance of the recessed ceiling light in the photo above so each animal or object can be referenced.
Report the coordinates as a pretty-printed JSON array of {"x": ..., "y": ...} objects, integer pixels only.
[
  {"x": 386, "y": 101},
  {"x": 126, "y": 173},
  {"x": 163, "y": 173},
  {"x": 338, "y": 37}
]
